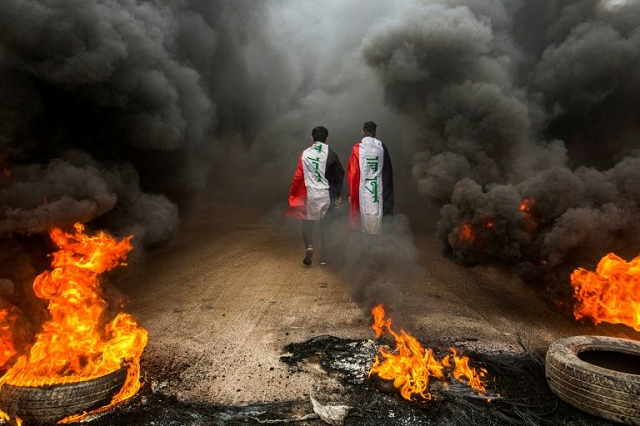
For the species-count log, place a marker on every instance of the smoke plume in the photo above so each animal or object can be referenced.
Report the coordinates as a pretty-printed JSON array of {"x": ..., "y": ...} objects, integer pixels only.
[
  {"x": 515, "y": 118},
  {"x": 529, "y": 142},
  {"x": 110, "y": 110},
  {"x": 109, "y": 106}
]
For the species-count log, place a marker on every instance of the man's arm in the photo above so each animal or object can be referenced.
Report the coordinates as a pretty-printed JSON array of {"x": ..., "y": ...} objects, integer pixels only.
[{"x": 387, "y": 184}]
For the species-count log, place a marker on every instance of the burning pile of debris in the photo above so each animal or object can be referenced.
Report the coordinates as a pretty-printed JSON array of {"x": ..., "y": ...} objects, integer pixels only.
[
  {"x": 392, "y": 380},
  {"x": 499, "y": 388},
  {"x": 410, "y": 366},
  {"x": 87, "y": 353}
]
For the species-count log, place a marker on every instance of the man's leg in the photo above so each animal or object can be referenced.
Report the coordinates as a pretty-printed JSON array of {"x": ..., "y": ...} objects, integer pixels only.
[
  {"x": 325, "y": 227},
  {"x": 307, "y": 235},
  {"x": 324, "y": 231},
  {"x": 307, "y": 232}
]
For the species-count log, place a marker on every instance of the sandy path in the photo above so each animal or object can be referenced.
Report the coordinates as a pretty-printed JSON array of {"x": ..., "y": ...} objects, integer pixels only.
[{"x": 222, "y": 299}]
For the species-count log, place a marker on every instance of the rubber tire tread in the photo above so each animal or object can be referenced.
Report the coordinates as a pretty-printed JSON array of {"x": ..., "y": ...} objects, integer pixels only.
[
  {"x": 49, "y": 404},
  {"x": 597, "y": 408},
  {"x": 606, "y": 393},
  {"x": 591, "y": 401},
  {"x": 595, "y": 391}
]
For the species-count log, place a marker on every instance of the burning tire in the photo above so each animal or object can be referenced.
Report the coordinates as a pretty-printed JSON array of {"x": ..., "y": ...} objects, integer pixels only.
[
  {"x": 49, "y": 404},
  {"x": 599, "y": 375}
]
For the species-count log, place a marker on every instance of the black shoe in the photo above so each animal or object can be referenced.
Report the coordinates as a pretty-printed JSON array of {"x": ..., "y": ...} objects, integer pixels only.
[
  {"x": 323, "y": 261},
  {"x": 309, "y": 256}
]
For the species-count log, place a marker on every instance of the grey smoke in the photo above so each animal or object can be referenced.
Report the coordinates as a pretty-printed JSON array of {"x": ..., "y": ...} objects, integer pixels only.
[
  {"x": 181, "y": 95},
  {"x": 521, "y": 100},
  {"x": 125, "y": 87},
  {"x": 116, "y": 111},
  {"x": 118, "y": 55},
  {"x": 40, "y": 197},
  {"x": 378, "y": 269}
]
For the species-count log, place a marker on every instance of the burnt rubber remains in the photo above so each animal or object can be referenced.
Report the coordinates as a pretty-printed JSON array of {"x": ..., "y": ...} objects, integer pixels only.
[
  {"x": 600, "y": 375},
  {"x": 516, "y": 386},
  {"x": 49, "y": 404},
  {"x": 525, "y": 399}
]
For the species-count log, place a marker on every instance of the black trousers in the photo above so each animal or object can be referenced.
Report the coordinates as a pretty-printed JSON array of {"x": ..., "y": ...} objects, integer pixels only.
[{"x": 307, "y": 232}]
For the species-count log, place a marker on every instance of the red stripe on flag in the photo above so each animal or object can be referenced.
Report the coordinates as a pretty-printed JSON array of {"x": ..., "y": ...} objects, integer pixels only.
[
  {"x": 353, "y": 177},
  {"x": 297, "y": 195}
]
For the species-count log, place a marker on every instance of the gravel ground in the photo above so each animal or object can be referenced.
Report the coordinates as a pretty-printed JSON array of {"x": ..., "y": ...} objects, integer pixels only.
[{"x": 224, "y": 297}]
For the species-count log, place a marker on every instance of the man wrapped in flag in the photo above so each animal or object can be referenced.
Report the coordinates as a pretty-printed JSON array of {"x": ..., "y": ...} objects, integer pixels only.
[
  {"x": 370, "y": 179},
  {"x": 316, "y": 189}
]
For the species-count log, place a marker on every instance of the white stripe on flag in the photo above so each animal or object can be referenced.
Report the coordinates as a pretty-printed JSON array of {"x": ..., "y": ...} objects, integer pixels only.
[
  {"x": 371, "y": 163},
  {"x": 314, "y": 165}
]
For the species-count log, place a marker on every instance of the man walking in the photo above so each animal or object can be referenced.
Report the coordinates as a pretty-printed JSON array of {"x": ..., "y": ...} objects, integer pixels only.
[
  {"x": 370, "y": 177},
  {"x": 315, "y": 191}
]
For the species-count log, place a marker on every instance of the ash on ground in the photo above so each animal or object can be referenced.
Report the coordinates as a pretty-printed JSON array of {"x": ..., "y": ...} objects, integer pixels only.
[{"x": 516, "y": 383}]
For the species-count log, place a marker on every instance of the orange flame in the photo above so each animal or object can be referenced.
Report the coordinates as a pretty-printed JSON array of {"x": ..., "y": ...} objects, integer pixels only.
[
  {"x": 410, "y": 366},
  {"x": 530, "y": 224},
  {"x": 611, "y": 293},
  {"x": 469, "y": 233},
  {"x": 465, "y": 373},
  {"x": 525, "y": 207},
  {"x": 466, "y": 233},
  {"x": 15, "y": 332},
  {"x": 378, "y": 321},
  {"x": 7, "y": 346},
  {"x": 79, "y": 343}
]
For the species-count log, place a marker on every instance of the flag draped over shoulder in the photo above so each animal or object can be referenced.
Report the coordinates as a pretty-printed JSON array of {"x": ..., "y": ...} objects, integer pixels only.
[
  {"x": 370, "y": 177},
  {"x": 309, "y": 194}
]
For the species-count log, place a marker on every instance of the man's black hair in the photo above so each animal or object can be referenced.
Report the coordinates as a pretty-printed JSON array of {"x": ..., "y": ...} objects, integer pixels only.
[
  {"x": 369, "y": 128},
  {"x": 320, "y": 133}
]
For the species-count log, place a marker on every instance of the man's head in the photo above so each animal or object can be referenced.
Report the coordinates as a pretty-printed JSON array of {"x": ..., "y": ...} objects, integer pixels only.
[
  {"x": 369, "y": 129},
  {"x": 319, "y": 133}
]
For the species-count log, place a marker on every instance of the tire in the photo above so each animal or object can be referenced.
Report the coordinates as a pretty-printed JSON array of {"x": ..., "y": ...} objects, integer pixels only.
[
  {"x": 49, "y": 404},
  {"x": 610, "y": 394}
]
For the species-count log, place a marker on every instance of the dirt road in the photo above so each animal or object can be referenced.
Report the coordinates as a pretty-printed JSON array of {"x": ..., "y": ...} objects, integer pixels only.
[{"x": 223, "y": 298}]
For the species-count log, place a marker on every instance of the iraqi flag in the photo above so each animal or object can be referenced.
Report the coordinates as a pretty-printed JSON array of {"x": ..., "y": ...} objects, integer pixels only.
[
  {"x": 370, "y": 177},
  {"x": 309, "y": 193}
]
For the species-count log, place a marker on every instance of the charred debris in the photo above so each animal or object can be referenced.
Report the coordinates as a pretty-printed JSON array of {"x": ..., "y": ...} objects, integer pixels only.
[{"x": 518, "y": 394}]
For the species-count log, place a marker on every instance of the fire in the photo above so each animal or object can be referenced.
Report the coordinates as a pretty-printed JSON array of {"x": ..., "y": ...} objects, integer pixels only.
[
  {"x": 81, "y": 341},
  {"x": 14, "y": 332},
  {"x": 465, "y": 373},
  {"x": 7, "y": 346},
  {"x": 469, "y": 233},
  {"x": 411, "y": 367},
  {"x": 525, "y": 207},
  {"x": 378, "y": 321},
  {"x": 530, "y": 224},
  {"x": 466, "y": 233},
  {"x": 611, "y": 293}
]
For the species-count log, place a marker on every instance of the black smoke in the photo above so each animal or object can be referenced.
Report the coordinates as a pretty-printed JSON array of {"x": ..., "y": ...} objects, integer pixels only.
[
  {"x": 116, "y": 112},
  {"x": 110, "y": 108},
  {"x": 109, "y": 115},
  {"x": 528, "y": 124}
]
